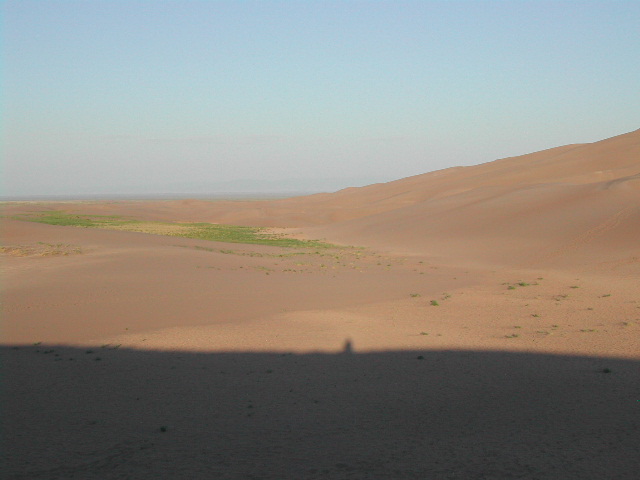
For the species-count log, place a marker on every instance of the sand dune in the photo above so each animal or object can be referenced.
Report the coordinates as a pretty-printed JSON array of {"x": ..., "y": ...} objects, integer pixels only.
[
  {"x": 476, "y": 322},
  {"x": 517, "y": 210},
  {"x": 581, "y": 203}
]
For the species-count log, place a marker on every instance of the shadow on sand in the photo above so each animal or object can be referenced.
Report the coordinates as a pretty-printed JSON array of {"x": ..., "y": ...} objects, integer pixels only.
[{"x": 103, "y": 413}]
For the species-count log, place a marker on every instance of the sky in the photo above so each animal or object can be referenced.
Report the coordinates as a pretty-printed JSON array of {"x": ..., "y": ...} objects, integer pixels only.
[{"x": 125, "y": 97}]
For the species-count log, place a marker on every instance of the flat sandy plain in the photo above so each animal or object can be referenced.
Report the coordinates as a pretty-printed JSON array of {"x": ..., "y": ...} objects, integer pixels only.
[{"x": 472, "y": 323}]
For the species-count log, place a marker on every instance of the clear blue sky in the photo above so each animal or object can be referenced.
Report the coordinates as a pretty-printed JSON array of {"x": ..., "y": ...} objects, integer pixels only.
[{"x": 156, "y": 96}]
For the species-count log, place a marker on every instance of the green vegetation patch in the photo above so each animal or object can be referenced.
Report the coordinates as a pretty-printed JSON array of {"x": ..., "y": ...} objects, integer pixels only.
[
  {"x": 66, "y": 219},
  {"x": 203, "y": 231}
]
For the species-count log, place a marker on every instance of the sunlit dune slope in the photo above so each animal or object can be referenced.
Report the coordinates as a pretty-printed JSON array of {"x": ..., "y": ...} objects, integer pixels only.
[
  {"x": 570, "y": 204},
  {"x": 607, "y": 160},
  {"x": 611, "y": 165}
]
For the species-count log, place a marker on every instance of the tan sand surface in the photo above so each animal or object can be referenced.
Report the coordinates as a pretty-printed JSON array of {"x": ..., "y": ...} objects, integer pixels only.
[{"x": 479, "y": 322}]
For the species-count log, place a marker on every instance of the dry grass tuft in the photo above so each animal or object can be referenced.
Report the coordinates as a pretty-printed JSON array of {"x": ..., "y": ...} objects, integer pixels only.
[{"x": 40, "y": 249}]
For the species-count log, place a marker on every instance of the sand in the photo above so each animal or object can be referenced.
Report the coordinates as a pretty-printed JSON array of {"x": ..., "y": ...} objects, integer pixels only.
[{"x": 477, "y": 322}]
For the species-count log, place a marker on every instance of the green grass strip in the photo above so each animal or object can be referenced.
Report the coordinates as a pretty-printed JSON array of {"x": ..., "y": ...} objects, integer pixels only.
[{"x": 202, "y": 231}]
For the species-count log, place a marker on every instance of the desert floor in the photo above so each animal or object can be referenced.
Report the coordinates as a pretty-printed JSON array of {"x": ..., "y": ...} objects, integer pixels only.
[{"x": 129, "y": 355}]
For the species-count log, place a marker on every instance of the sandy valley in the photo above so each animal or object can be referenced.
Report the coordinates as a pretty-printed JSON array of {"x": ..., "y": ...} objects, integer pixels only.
[{"x": 472, "y": 323}]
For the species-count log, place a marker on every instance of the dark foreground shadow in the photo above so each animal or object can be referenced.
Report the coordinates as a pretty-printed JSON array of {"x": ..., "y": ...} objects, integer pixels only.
[{"x": 113, "y": 413}]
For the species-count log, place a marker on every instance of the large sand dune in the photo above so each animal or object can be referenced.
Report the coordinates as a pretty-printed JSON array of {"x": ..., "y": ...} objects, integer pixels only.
[
  {"x": 488, "y": 327},
  {"x": 576, "y": 205}
]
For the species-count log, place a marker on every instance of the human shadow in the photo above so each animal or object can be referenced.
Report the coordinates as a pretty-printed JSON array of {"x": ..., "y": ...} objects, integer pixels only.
[{"x": 106, "y": 413}]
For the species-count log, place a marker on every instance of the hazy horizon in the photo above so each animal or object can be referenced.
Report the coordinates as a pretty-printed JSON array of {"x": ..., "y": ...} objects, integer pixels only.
[
  {"x": 240, "y": 189},
  {"x": 114, "y": 97}
]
